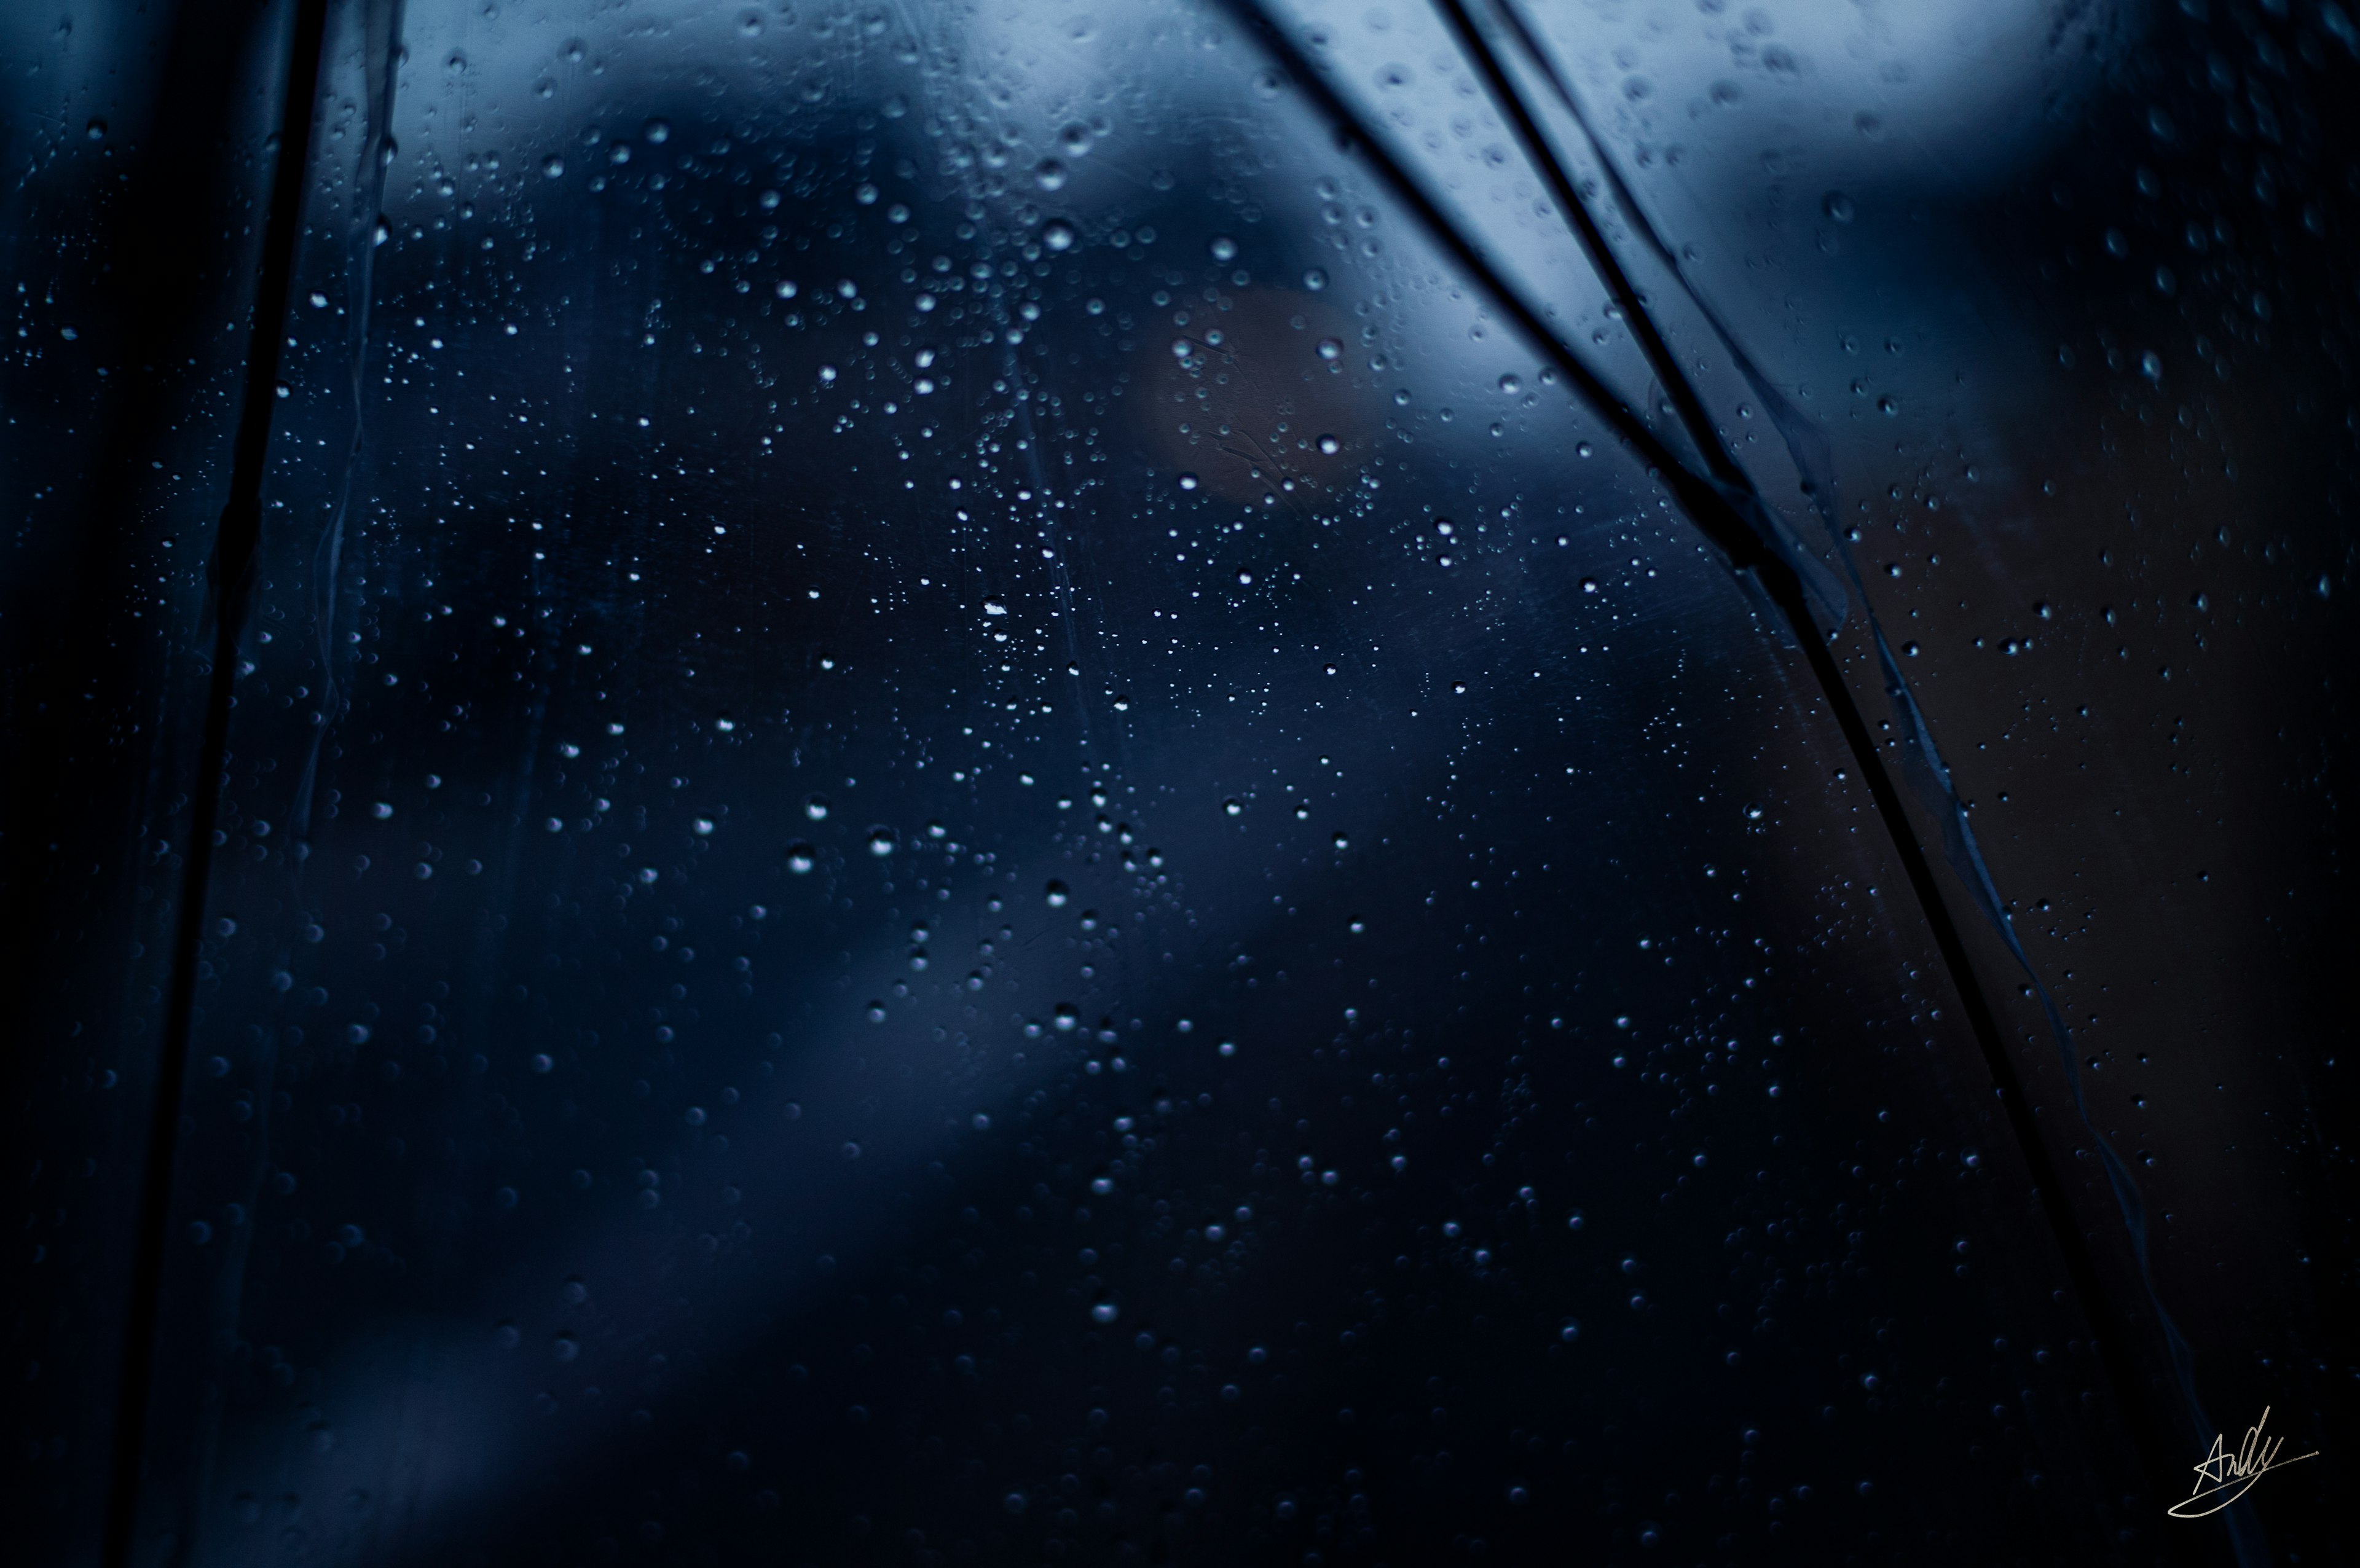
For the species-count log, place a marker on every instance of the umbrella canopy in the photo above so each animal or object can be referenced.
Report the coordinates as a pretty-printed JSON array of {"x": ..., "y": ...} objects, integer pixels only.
[{"x": 1190, "y": 782}]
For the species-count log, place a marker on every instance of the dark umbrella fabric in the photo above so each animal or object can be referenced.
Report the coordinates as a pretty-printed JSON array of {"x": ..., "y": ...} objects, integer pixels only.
[{"x": 1188, "y": 783}]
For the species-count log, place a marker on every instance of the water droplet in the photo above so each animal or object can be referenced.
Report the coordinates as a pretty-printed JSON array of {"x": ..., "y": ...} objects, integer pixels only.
[
  {"x": 1315, "y": 280},
  {"x": 1330, "y": 445},
  {"x": 1049, "y": 174},
  {"x": 1511, "y": 385},
  {"x": 1058, "y": 894},
  {"x": 1331, "y": 349},
  {"x": 1837, "y": 206},
  {"x": 1589, "y": 584},
  {"x": 95, "y": 130},
  {"x": 1223, "y": 248},
  {"x": 553, "y": 166},
  {"x": 1342, "y": 842},
  {"x": 1058, "y": 235},
  {"x": 1234, "y": 808},
  {"x": 658, "y": 132},
  {"x": 1188, "y": 482},
  {"x": 1244, "y": 579},
  {"x": 881, "y": 840},
  {"x": 816, "y": 807}
]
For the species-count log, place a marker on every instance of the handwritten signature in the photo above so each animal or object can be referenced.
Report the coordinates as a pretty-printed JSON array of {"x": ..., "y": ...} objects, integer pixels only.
[{"x": 2224, "y": 1478}]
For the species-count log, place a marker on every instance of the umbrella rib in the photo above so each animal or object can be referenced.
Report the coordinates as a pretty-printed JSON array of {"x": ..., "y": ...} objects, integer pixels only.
[
  {"x": 231, "y": 583},
  {"x": 1964, "y": 854},
  {"x": 1710, "y": 510}
]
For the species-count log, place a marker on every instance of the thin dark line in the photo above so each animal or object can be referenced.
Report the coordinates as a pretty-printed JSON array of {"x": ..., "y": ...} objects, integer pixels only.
[
  {"x": 231, "y": 572},
  {"x": 1708, "y": 508},
  {"x": 1636, "y": 317},
  {"x": 2098, "y": 1304},
  {"x": 1716, "y": 517},
  {"x": 2110, "y": 1330}
]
